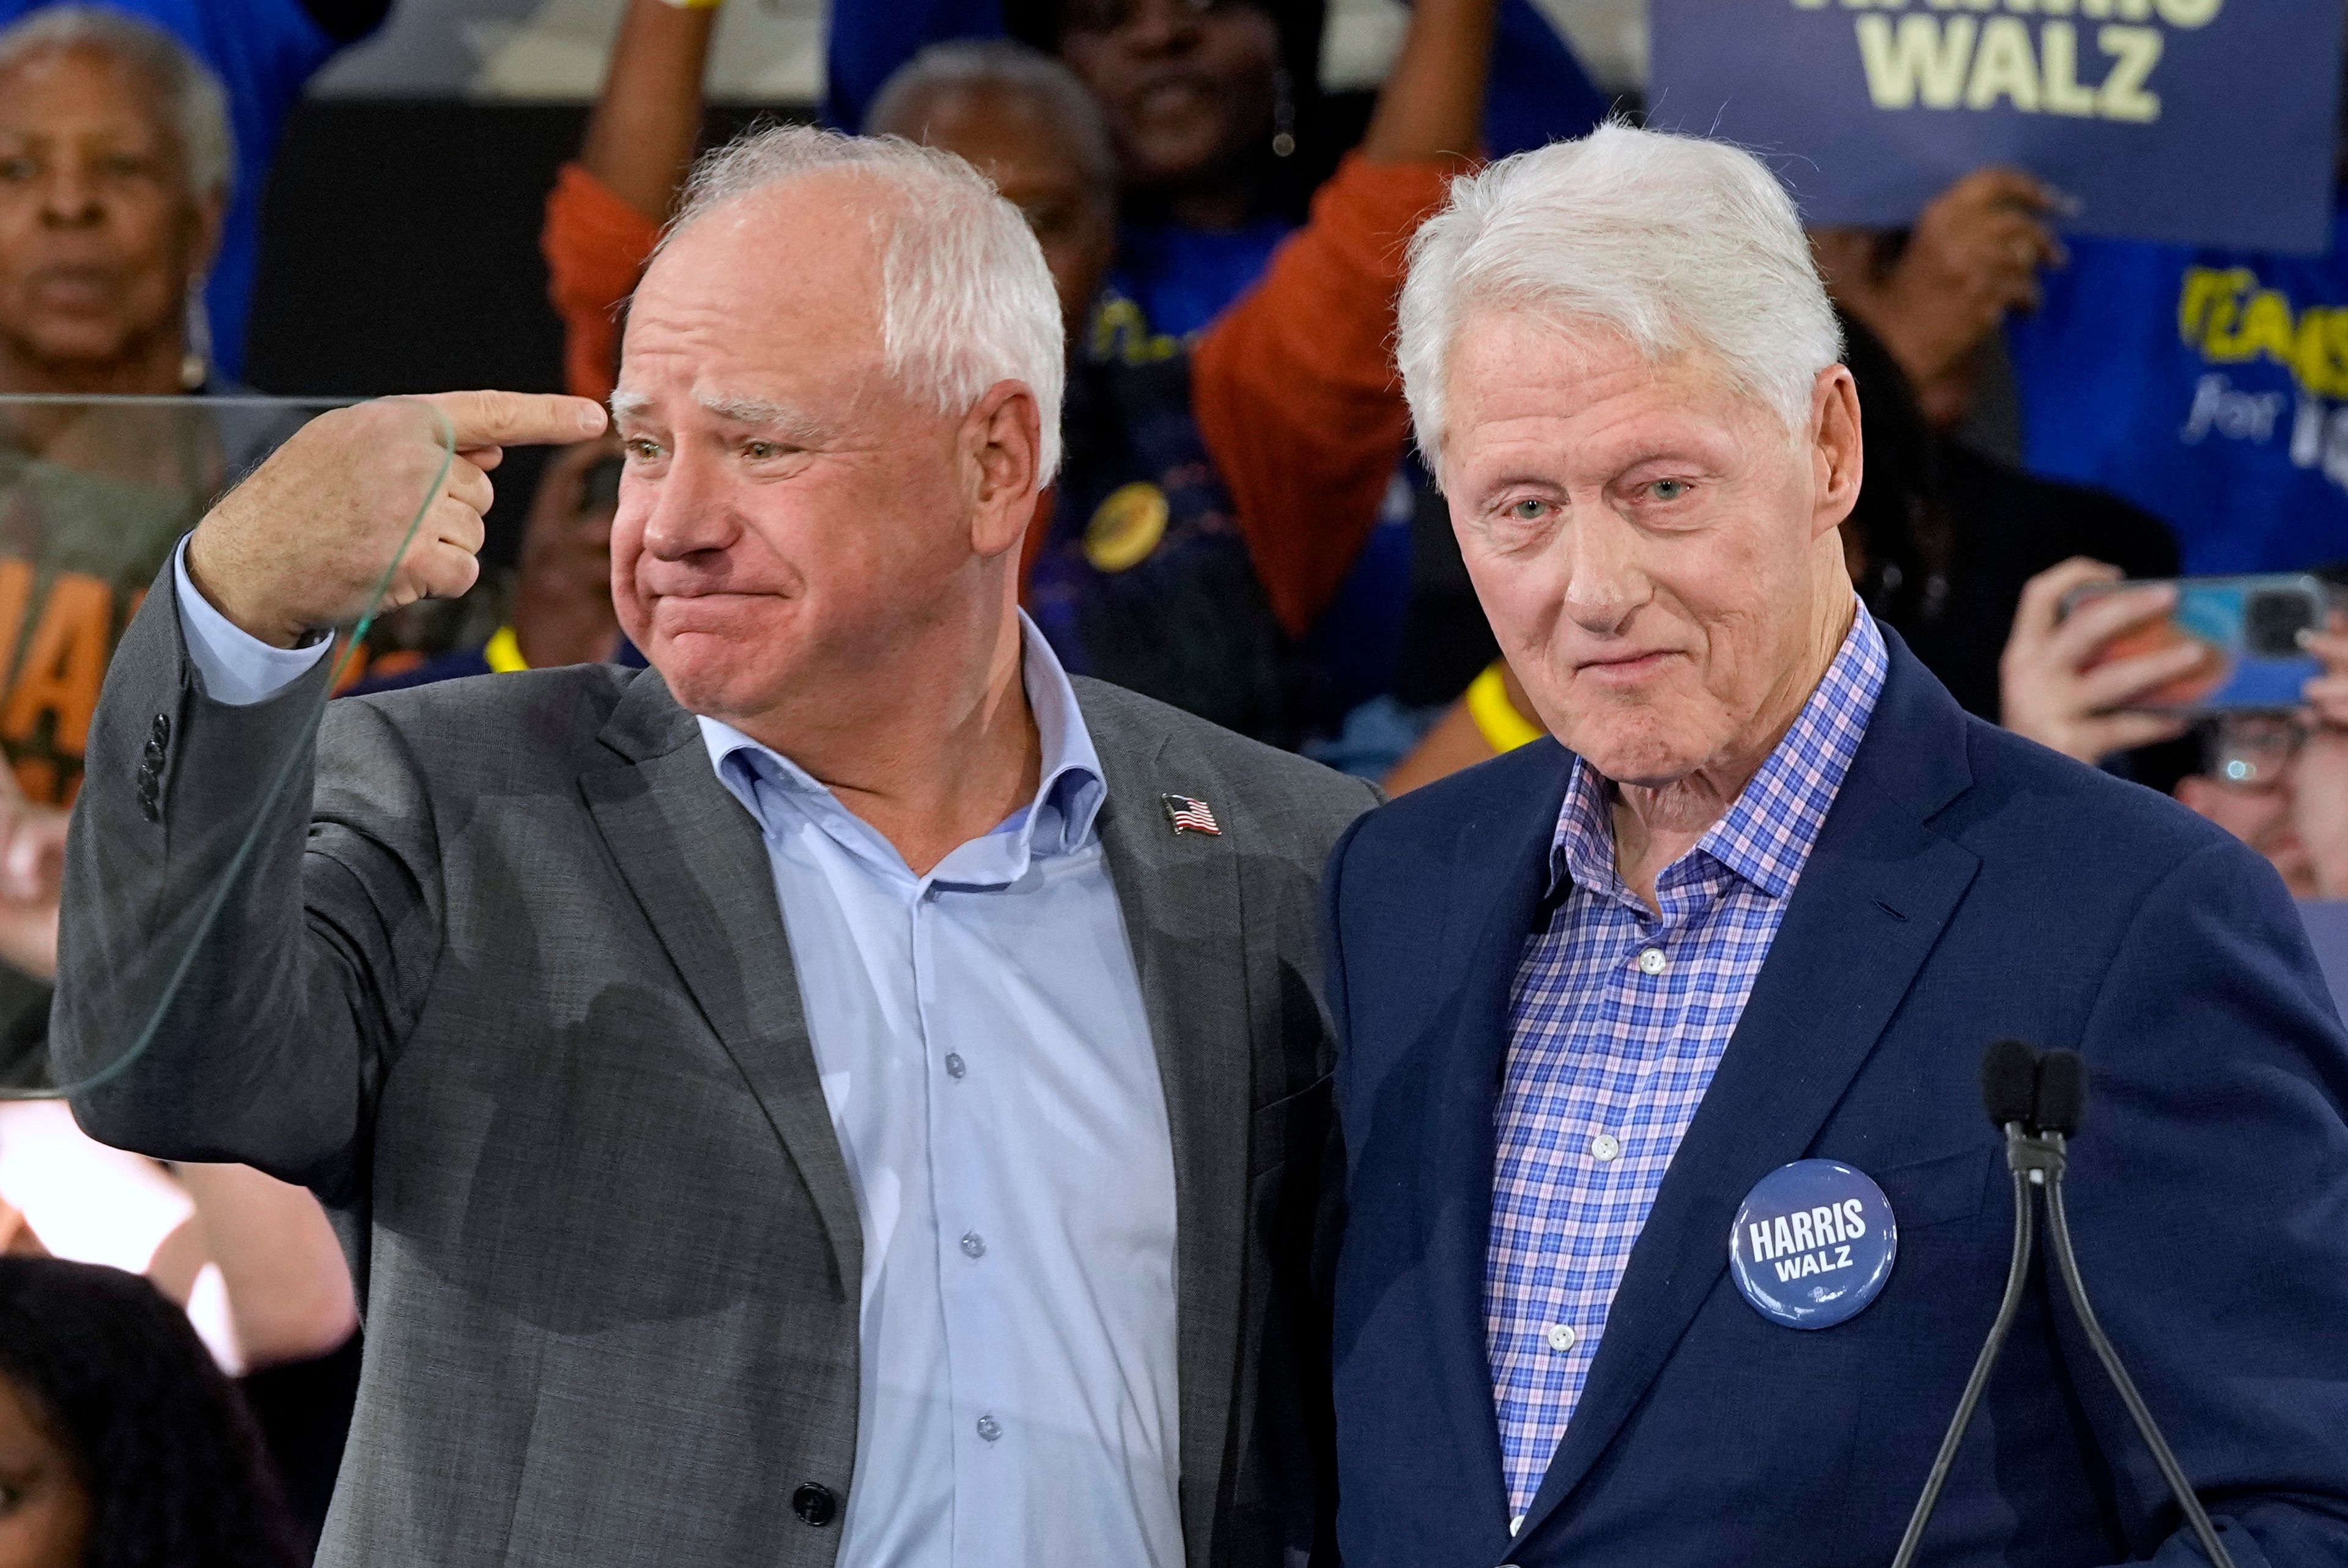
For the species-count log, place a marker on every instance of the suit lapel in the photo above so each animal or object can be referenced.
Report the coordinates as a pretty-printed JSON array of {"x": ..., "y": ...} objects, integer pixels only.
[
  {"x": 1503, "y": 862},
  {"x": 1181, "y": 897},
  {"x": 1878, "y": 890},
  {"x": 696, "y": 862}
]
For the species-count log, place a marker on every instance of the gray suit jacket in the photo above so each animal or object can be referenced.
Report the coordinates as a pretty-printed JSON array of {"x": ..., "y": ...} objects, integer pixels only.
[{"x": 513, "y": 995}]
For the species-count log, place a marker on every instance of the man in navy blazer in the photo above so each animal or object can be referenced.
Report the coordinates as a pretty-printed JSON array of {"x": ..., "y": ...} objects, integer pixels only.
[{"x": 1766, "y": 903}]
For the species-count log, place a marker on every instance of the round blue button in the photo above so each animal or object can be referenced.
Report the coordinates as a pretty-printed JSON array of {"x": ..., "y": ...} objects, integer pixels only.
[{"x": 1813, "y": 1243}]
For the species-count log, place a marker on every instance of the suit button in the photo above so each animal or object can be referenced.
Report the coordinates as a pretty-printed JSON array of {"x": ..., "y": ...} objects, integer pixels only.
[
  {"x": 160, "y": 731},
  {"x": 815, "y": 1504}
]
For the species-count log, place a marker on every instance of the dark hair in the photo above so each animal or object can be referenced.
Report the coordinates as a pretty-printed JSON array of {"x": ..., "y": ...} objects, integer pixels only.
[
  {"x": 1902, "y": 518},
  {"x": 158, "y": 1435}
]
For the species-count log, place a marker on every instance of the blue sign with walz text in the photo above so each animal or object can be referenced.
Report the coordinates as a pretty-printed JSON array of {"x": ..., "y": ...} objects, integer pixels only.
[{"x": 2201, "y": 122}]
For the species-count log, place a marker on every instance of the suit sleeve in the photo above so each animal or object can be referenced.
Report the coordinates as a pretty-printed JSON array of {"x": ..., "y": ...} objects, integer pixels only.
[
  {"x": 244, "y": 941},
  {"x": 2208, "y": 1202}
]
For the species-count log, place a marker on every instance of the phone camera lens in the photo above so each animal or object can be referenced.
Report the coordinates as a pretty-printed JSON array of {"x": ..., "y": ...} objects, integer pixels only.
[{"x": 2272, "y": 624}]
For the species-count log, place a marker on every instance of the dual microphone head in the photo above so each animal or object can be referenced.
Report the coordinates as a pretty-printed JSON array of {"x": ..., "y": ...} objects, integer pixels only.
[{"x": 2043, "y": 1092}]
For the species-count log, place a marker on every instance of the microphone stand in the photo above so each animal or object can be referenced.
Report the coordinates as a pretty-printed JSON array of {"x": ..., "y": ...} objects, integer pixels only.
[
  {"x": 2018, "y": 1279},
  {"x": 2038, "y": 1156},
  {"x": 2066, "y": 1263}
]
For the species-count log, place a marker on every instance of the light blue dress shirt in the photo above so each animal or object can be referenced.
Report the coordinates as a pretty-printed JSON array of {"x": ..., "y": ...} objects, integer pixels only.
[{"x": 983, "y": 1050}]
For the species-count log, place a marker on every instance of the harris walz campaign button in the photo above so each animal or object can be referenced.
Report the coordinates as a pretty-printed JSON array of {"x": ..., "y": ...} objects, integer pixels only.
[{"x": 1813, "y": 1243}]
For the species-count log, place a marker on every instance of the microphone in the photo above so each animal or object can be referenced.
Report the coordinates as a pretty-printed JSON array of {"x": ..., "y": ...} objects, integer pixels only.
[{"x": 2038, "y": 1101}]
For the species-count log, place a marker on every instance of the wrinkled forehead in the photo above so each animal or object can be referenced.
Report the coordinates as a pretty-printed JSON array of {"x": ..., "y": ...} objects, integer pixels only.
[
  {"x": 1525, "y": 367},
  {"x": 99, "y": 83},
  {"x": 815, "y": 242},
  {"x": 780, "y": 282}
]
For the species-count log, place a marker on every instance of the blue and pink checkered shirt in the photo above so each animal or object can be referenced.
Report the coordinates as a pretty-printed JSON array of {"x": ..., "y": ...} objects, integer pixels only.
[{"x": 1617, "y": 1018}]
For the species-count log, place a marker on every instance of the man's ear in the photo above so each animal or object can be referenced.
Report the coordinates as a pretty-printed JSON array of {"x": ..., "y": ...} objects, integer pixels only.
[
  {"x": 1003, "y": 451},
  {"x": 1836, "y": 454}
]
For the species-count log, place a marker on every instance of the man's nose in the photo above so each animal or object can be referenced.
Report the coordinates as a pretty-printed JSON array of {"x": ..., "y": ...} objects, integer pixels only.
[
  {"x": 1605, "y": 579},
  {"x": 689, "y": 511},
  {"x": 70, "y": 196}
]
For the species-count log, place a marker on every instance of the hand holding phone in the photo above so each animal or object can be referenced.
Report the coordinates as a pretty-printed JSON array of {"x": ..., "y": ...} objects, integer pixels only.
[
  {"x": 2248, "y": 636},
  {"x": 2057, "y": 689}
]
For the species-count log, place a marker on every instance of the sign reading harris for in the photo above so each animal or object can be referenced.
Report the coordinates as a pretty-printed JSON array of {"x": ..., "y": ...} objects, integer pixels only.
[{"x": 2205, "y": 122}]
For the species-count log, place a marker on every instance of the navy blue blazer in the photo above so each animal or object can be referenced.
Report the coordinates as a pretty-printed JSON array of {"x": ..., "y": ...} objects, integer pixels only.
[{"x": 1967, "y": 884}]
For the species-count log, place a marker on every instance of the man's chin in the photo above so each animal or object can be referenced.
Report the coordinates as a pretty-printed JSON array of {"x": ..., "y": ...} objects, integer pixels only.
[{"x": 1641, "y": 760}]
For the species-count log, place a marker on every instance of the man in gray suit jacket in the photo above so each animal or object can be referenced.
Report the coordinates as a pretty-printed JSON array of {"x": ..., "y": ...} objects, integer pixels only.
[{"x": 847, "y": 1093}]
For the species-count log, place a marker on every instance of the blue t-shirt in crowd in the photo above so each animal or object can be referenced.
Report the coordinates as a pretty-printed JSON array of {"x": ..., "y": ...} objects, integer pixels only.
[
  {"x": 264, "y": 52},
  {"x": 2210, "y": 387}
]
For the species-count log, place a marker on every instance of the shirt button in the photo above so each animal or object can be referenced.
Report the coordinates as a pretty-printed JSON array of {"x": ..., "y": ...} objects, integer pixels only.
[
  {"x": 1561, "y": 1336},
  {"x": 972, "y": 1244},
  {"x": 989, "y": 1427},
  {"x": 1652, "y": 962},
  {"x": 954, "y": 1068},
  {"x": 1605, "y": 1147}
]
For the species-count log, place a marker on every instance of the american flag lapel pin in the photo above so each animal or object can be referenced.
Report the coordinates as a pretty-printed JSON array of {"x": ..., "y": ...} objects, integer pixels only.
[{"x": 1189, "y": 815}]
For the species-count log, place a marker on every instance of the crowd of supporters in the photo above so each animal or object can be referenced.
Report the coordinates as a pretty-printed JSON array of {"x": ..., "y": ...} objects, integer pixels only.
[{"x": 1240, "y": 528}]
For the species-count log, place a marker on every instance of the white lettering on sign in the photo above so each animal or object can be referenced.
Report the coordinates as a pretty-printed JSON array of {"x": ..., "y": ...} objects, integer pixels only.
[
  {"x": 2184, "y": 13},
  {"x": 1946, "y": 63}
]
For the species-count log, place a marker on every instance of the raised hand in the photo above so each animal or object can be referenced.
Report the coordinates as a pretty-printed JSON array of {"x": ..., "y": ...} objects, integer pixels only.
[{"x": 302, "y": 543}]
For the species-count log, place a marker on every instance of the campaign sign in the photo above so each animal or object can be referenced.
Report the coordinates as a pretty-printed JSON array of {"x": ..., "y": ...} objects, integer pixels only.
[
  {"x": 1813, "y": 1243},
  {"x": 2204, "y": 122}
]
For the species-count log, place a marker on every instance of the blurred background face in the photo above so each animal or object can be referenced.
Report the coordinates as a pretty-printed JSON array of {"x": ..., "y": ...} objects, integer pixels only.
[
  {"x": 2250, "y": 787},
  {"x": 1188, "y": 84},
  {"x": 788, "y": 517},
  {"x": 1014, "y": 139},
  {"x": 99, "y": 234},
  {"x": 1647, "y": 541},
  {"x": 44, "y": 1510}
]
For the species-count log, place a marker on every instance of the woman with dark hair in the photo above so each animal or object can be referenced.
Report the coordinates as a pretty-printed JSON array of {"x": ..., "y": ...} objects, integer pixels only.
[{"x": 121, "y": 1444}]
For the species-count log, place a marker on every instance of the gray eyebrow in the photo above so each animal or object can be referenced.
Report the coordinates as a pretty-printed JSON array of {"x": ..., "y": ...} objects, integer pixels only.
[{"x": 787, "y": 421}]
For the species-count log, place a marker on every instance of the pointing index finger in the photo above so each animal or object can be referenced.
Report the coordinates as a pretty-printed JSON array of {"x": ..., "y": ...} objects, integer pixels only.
[{"x": 515, "y": 418}]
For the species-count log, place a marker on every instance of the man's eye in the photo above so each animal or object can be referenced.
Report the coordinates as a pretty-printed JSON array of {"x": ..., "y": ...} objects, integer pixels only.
[
  {"x": 643, "y": 448},
  {"x": 1669, "y": 489},
  {"x": 1527, "y": 510},
  {"x": 760, "y": 451},
  {"x": 19, "y": 169}
]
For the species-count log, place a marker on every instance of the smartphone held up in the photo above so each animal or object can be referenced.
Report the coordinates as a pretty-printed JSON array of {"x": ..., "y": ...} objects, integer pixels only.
[{"x": 2252, "y": 631}]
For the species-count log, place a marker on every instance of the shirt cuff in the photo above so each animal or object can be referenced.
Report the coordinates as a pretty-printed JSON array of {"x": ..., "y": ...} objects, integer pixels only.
[{"x": 238, "y": 669}]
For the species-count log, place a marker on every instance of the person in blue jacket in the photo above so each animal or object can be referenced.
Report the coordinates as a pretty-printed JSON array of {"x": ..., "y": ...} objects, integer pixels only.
[{"x": 1673, "y": 1223}]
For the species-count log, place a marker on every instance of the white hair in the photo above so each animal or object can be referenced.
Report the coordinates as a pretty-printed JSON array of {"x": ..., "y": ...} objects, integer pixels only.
[
  {"x": 193, "y": 105},
  {"x": 1674, "y": 241},
  {"x": 965, "y": 298}
]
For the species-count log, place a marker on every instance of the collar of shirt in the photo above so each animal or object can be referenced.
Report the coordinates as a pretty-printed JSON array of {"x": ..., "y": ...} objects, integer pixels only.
[
  {"x": 1058, "y": 821},
  {"x": 1764, "y": 836}
]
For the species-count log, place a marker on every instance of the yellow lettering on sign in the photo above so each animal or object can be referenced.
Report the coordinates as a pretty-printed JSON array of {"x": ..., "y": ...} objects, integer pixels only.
[
  {"x": 2058, "y": 51},
  {"x": 2004, "y": 66},
  {"x": 2204, "y": 289},
  {"x": 63, "y": 663},
  {"x": 2310, "y": 359},
  {"x": 2189, "y": 12},
  {"x": 16, "y": 593},
  {"x": 1923, "y": 59},
  {"x": 2134, "y": 51}
]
